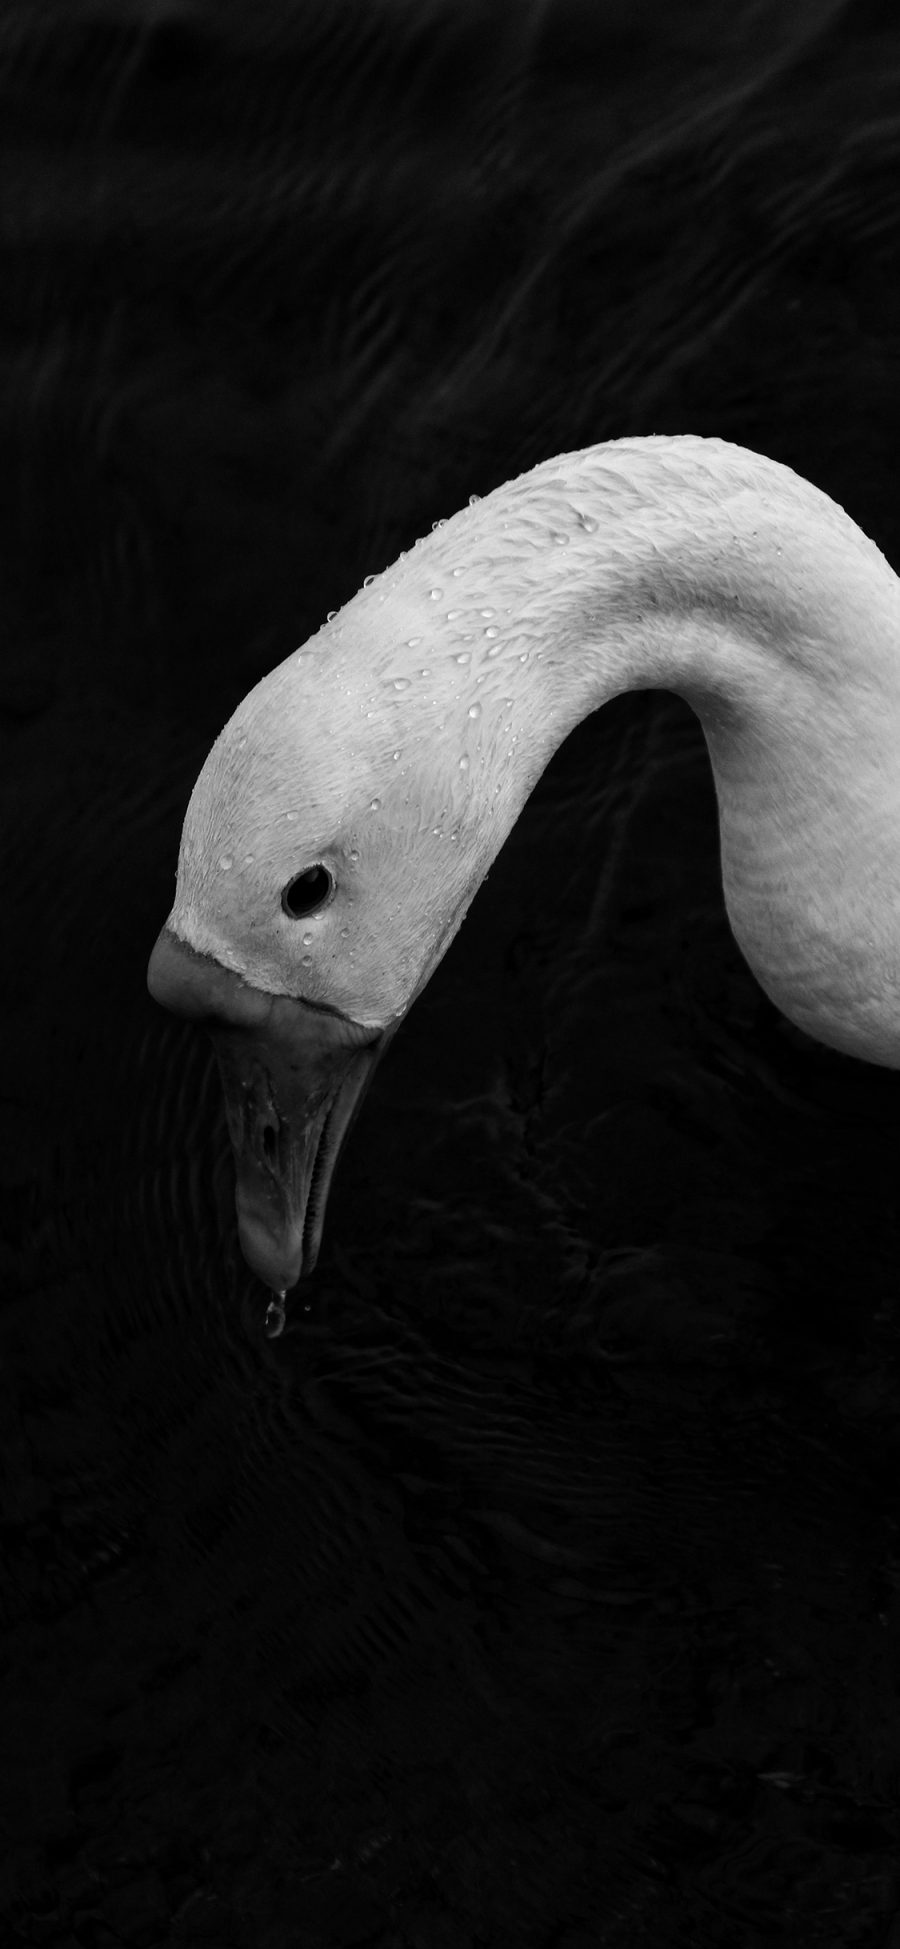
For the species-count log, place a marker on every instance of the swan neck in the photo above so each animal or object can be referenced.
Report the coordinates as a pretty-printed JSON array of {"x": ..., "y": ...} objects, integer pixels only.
[{"x": 699, "y": 568}]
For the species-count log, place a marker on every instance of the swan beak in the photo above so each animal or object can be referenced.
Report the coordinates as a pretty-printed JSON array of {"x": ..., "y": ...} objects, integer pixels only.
[{"x": 294, "y": 1077}]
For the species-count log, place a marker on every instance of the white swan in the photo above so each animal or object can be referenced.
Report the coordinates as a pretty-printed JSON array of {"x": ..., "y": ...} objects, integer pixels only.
[{"x": 350, "y": 808}]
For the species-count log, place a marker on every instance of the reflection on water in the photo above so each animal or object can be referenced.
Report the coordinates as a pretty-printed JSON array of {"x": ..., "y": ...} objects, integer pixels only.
[{"x": 537, "y": 1584}]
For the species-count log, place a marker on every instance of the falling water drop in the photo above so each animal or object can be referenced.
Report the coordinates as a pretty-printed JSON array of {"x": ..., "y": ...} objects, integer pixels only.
[{"x": 274, "y": 1324}]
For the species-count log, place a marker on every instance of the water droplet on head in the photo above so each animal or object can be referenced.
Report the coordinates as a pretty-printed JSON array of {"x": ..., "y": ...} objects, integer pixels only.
[
  {"x": 452, "y": 615},
  {"x": 374, "y": 805},
  {"x": 473, "y": 499},
  {"x": 474, "y": 710},
  {"x": 464, "y": 764},
  {"x": 353, "y": 855},
  {"x": 401, "y": 683},
  {"x": 226, "y": 862},
  {"x": 290, "y": 817},
  {"x": 395, "y": 755},
  {"x": 241, "y": 743},
  {"x": 492, "y": 630},
  {"x": 456, "y": 571},
  {"x": 465, "y": 656},
  {"x": 249, "y": 858},
  {"x": 485, "y": 612},
  {"x": 435, "y": 594},
  {"x": 524, "y": 657},
  {"x": 306, "y": 960},
  {"x": 307, "y": 940},
  {"x": 412, "y": 641}
]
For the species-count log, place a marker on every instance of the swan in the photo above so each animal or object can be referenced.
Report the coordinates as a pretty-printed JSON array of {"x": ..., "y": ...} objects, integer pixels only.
[{"x": 353, "y": 803}]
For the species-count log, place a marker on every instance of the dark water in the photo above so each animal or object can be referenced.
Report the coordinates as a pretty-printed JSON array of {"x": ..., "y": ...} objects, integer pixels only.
[{"x": 539, "y": 1586}]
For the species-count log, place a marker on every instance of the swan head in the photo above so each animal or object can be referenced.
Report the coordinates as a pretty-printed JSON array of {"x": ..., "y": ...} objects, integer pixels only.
[
  {"x": 332, "y": 844},
  {"x": 352, "y": 805}
]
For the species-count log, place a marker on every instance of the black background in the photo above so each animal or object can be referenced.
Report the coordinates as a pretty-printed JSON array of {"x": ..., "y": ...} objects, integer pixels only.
[{"x": 539, "y": 1586}]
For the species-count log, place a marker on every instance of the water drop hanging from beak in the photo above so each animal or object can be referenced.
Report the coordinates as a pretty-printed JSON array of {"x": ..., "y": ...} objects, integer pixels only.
[{"x": 274, "y": 1321}]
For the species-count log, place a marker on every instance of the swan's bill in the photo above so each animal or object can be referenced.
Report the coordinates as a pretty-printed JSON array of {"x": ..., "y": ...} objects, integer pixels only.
[{"x": 293, "y": 1077}]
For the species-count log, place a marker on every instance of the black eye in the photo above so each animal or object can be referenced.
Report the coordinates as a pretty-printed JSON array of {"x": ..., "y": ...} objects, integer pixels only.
[{"x": 307, "y": 891}]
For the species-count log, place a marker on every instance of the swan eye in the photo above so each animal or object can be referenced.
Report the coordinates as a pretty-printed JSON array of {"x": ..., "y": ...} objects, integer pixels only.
[{"x": 306, "y": 892}]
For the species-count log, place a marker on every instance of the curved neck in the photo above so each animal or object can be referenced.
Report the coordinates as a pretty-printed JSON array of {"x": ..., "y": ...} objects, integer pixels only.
[
  {"x": 694, "y": 566},
  {"x": 683, "y": 564}
]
